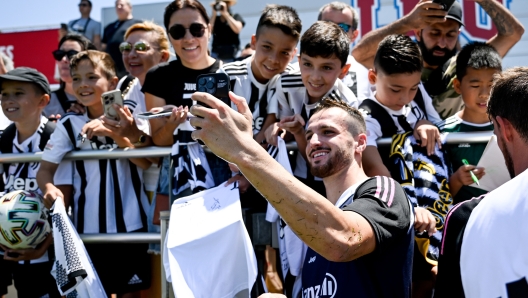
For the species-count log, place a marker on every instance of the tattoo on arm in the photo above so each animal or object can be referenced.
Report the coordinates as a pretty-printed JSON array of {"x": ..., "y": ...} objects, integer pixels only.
[{"x": 502, "y": 20}]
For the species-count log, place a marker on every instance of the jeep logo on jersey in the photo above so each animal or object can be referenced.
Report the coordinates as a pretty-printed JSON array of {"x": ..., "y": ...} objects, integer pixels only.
[
  {"x": 257, "y": 123},
  {"x": 21, "y": 183},
  {"x": 327, "y": 289},
  {"x": 374, "y": 14},
  {"x": 189, "y": 87}
]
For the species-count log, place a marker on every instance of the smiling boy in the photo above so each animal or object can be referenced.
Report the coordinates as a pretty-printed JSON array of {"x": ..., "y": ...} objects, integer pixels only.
[
  {"x": 324, "y": 52},
  {"x": 109, "y": 194}
]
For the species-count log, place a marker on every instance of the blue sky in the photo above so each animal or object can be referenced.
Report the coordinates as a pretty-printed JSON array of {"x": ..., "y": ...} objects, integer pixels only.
[{"x": 41, "y": 13}]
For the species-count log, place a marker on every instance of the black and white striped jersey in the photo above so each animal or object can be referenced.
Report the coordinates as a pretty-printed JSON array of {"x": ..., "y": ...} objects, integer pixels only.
[
  {"x": 258, "y": 96},
  {"x": 293, "y": 99},
  {"x": 109, "y": 195}
]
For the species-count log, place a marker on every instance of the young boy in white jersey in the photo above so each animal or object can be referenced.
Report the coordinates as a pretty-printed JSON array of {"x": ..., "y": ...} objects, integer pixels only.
[
  {"x": 254, "y": 78},
  {"x": 399, "y": 104},
  {"x": 25, "y": 93},
  {"x": 109, "y": 195},
  {"x": 322, "y": 59}
]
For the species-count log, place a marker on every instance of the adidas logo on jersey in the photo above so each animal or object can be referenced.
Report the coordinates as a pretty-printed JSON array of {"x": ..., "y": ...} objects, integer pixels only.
[{"x": 135, "y": 280}]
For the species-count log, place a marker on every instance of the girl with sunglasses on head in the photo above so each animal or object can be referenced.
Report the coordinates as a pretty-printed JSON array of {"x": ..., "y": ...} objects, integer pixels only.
[
  {"x": 61, "y": 99},
  {"x": 173, "y": 83}
]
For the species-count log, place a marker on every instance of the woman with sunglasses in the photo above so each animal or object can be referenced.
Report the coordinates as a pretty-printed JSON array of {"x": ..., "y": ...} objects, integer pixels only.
[
  {"x": 62, "y": 98},
  {"x": 173, "y": 83}
]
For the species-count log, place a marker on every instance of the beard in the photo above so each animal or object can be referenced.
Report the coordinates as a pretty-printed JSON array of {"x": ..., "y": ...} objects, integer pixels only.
[
  {"x": 433, "y": 60},
  {"x": 507, "y": 158},
  {"x": 334, "y": 164}
]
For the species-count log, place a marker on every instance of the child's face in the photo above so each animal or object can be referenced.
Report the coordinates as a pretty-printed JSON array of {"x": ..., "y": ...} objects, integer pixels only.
[
  {"x": 20, "y": 101},
  {"x": 396, "y": 90},
  {"x": 475, "y": 88},
  {"x": 273, "y": 51},
  {"x": 89, "y": 84},
  {"x": 319, "y": 74}
]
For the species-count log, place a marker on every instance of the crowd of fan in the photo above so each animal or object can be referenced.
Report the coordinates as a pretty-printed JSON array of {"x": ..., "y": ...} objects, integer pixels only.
[{"x": 387, "y": 236}]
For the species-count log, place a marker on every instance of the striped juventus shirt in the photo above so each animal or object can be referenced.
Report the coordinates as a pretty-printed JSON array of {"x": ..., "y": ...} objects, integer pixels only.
[
  {"x": 293, "y": 99},
  {"x": 259, "y": 96},
  {"x": 109, "y": 195}
]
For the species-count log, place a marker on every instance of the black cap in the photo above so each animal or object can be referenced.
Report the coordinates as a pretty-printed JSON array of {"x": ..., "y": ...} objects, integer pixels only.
[
  {"x": 455, "y": 13},
  {"x": 26, "y": 74}
]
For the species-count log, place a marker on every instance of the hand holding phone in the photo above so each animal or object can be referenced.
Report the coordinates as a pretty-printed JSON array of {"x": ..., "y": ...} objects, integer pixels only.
[
  {"x": 446, "y": 4},
  {"x": 109, "y": 99},
  {"x": 216, "y": 84}
]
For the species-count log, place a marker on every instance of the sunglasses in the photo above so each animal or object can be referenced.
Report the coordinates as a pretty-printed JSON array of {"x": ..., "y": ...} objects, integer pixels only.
[
  {"x": 345, "y": 27},
  {"x": 59, "y": 54},
  {"x": 140, "y": 46},
  {"x": 83, "y": 4},
  {"x": 178, "y": 31}
]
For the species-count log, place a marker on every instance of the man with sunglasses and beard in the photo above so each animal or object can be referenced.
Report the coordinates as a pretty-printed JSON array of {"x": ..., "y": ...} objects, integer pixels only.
[
  {"x": 437, "y": 32},
  {"x": 85, "y": 25},
  {"x": 483, "y": 252}
]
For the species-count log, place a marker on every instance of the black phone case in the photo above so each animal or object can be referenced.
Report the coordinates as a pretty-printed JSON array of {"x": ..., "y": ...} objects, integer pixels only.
[
  {"x": 446, "y": 3},
  {"x": 216, "y": 84}
]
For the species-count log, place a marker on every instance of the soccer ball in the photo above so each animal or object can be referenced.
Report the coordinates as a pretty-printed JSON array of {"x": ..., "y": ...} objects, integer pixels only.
[{"x": 23, "y": 220}]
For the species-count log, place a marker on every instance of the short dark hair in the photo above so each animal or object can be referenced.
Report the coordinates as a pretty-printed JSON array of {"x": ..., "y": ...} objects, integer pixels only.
[
  {"x": 98, "y": 59},
  {"x": 509, "y": 99},
  {"x": 340, "y": 6},
  {"x": 397, "y": 53},
  {"x": 282, "y": 17},
  {"x": 84, "y": 42},
  {"x": 176, "y": 5},
  {"x": 326, "y": 39},
  {"x": 477, "y": 55},
  {"x": 328, "y": 102}
]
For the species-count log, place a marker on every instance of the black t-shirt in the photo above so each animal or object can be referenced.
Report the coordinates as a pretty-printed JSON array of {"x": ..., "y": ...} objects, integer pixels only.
[
  {"x": 223, "y": 34},
  {"x": 113, "y": 36},
  {"x": 449, "y": 279},
  {"x": 174, "y": 82},
  {"x": 386, "y": 272}
]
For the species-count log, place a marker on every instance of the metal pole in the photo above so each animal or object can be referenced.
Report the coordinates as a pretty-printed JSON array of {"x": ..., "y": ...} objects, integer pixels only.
[{"x": 164, "y": 221}]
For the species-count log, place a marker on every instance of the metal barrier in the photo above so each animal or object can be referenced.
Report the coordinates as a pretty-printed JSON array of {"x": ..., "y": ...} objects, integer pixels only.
[{"x": 452, "y": 138}]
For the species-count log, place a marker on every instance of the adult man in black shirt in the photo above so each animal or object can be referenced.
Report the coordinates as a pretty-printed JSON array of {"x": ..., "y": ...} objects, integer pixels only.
[
  {"x": 360, "y": 237},
  {"x": 226, "y": 27},
  {"x": 114, "y": 34}
]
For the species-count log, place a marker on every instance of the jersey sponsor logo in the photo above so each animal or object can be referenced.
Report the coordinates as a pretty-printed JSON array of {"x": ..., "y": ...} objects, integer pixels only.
[
  {"x": 464, "y": 145},
  {"x": 312, "y": 259},
  {"x": 103, "y": 146},
  {"x": 189, "y": 87},
  {"x": 21, "y": 183},
  {"x": 257, "y": 123},
  {"x": 135, "y": 280},
  {"x": 327, "y": 289},
  {"x": 442, "y": 205}
]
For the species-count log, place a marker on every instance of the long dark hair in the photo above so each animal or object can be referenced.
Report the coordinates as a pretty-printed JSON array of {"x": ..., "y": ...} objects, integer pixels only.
[{"x": 176, "y": 5}]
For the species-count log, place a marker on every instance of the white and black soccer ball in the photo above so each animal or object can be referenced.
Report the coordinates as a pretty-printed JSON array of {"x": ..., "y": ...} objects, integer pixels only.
[{"x": 23, "y": 219}]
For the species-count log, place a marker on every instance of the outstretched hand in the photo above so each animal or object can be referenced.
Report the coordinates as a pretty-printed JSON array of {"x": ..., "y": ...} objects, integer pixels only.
[
  {"x": 225, "y": 131},
  {"x": 425, "y": 13}
]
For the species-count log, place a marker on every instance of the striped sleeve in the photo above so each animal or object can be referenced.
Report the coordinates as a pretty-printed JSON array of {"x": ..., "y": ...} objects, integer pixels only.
[{"x": 383, "y": 203}]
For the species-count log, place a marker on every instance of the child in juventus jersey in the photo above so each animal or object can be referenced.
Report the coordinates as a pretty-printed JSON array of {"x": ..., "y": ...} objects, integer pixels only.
[
  {"x": 25, "y": 93},
  {"x": 109, "y": 195},
  {"x": 324, "y": 52}
]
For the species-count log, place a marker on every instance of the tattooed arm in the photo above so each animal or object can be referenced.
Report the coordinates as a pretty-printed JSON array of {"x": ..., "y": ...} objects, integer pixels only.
[{"x": 510, "y": 30}]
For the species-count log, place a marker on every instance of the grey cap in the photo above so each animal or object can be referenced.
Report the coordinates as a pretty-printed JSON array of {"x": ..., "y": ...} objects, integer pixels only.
[{"x": 26, "y": 74}]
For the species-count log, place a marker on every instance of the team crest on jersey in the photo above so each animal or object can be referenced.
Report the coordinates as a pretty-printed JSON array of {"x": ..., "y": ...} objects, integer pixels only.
[{"x": 327, "y": 289}]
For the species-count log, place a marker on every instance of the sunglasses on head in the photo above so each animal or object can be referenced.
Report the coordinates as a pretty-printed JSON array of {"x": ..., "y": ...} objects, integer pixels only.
[
  {"x": 140, "y": 46},
  {"x": 178, "y": 31},
  {"x": 345, "y": 27},
  {"x": 59, "y": 54}
]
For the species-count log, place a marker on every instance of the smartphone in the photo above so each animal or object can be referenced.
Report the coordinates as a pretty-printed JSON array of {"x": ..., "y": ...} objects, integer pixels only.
[
  {"x": 445, "y": 3},
  {"x": 149, "y": 115},
  {"x": 109, "y": 98},
  {"x": 216, "y": 84}
]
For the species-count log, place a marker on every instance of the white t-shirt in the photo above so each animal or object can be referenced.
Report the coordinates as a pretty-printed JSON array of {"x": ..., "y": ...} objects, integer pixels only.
[
  {"x": 293, "y": 99},
  {"x": 109, "y": 194},
  {"x": 494, "y": 258},
  {"x": 412, "y": 114}
]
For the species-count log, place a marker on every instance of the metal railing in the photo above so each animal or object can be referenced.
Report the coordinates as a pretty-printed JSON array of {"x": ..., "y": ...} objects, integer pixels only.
[{"x": 452, "y": 138}]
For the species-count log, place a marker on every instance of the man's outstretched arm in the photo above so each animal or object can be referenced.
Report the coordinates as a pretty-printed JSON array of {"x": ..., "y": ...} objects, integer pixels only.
[
  {"x": 423, "y": 14},
  {"x": 509, "y": 29},
  {"x": 335, "y": 234}
]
